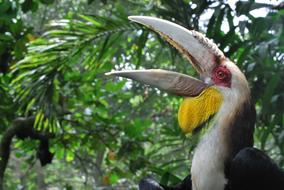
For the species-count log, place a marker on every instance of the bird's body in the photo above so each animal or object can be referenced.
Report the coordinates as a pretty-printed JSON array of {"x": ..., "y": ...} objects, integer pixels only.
[
  {"x": 224, "y": 158},
  {"x": 231, "y": 131}
]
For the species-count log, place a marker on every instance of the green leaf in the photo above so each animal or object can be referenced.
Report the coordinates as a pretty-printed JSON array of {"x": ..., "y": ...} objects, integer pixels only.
[
  {"x": 136, "y": 100},
  {"x": 38, "y": 119},
  {"x": 141, "y": 44},
  {"x": 243, "y": 7},
  {"x": 20, "y": 48},
  {"x": 269, "y": 91},
  {"x": 91, "y": 20},
  {"x": 113, "y": 178},
  {"x": 4, "y": 6},
  {"x": 102, "y": 112},
  {"x": 114, "y": 87},
  {"x": 47, "y": 1},
  {"x": 29, "y": 5},
  {"x": 137, "y": 127},
  {"x": 69, "y": 156}
]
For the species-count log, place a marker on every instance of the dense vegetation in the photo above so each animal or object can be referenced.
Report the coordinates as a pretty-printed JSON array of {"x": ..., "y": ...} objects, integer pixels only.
[{"x": 58, "y": 109}]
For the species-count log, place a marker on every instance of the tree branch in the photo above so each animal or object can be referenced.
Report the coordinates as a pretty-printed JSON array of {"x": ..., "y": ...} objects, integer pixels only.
[{"x": 22, "y": 128}]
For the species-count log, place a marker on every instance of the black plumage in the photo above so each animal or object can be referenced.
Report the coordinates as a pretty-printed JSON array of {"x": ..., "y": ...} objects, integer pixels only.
[{"x": 250, "y": 169}]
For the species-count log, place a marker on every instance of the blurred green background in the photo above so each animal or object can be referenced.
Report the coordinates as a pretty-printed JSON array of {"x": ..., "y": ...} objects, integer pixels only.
[{"x": 108, "y": 133}]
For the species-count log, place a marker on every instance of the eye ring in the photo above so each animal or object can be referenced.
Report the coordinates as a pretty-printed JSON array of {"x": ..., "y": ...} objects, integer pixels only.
[{"x": 221, "y": 76}]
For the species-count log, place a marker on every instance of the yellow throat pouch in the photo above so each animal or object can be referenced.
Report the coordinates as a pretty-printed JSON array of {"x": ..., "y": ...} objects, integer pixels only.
[{"x": 194, "y": 111}]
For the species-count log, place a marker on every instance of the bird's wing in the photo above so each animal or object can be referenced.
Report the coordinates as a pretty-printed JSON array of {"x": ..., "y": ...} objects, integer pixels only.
[
  {"x": 150, "y": 184},
  {"x": 252, "y": 169}
]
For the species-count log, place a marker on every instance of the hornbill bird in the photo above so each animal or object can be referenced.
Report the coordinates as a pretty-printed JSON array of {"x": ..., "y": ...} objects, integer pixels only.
[{"x": 224, "y": 157}]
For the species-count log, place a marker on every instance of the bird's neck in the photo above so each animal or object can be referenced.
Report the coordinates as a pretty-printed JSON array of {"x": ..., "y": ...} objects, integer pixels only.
[{"x": 232, "y": 130}]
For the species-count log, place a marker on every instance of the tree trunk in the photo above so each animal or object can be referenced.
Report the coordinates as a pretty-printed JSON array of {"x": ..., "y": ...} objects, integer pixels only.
[{"x": 41, "y": 185}]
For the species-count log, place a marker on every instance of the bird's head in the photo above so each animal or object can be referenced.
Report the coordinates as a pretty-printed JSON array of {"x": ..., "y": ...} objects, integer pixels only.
[{"x": 221, "y": 85}]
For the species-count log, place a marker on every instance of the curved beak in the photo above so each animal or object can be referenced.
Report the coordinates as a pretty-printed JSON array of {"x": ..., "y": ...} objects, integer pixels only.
[
  {"x": 172, "y": 82},
  {"x": 202, "y": 53}
]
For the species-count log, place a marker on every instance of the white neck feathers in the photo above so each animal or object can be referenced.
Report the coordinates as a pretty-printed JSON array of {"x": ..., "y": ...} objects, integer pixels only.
[{"x": 208, "y": 164}]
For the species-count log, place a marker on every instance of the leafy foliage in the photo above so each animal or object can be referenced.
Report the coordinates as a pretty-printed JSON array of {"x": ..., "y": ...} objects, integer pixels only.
[
  {"x": 114, "y": 131},
  {"x": 14, "y": 34}
]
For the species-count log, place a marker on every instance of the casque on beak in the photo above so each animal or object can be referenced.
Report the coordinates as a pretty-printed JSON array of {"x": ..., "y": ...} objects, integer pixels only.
[{"x": 202, "y": 53}]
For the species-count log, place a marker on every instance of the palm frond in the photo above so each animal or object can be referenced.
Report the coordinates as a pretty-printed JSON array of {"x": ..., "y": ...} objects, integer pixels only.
[{"x": 77, "y": 44}]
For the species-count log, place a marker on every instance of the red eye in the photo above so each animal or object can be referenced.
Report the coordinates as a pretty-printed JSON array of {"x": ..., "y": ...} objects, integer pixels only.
[{"x": 222, "y": 76}]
